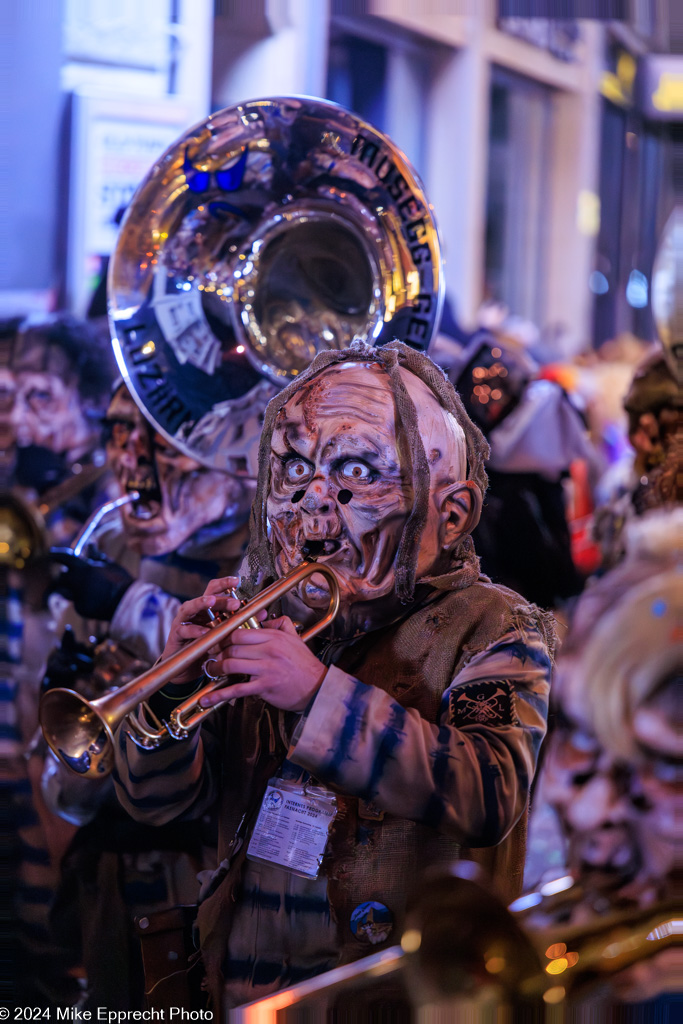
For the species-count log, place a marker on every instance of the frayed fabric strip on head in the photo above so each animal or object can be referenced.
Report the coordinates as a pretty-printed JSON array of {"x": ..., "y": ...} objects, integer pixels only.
[{"x": 392, "y": 358}]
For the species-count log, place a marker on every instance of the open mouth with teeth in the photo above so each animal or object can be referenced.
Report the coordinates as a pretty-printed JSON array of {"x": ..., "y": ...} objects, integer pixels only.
[
  {"x": 319, "y": 548},
  {"x": 149, "y": 504}
]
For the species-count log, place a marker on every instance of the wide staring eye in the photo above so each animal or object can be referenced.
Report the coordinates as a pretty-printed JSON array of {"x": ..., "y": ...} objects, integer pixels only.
[
  {"x": 297, "y": 471},
  {"x": 357, "y": 472}
]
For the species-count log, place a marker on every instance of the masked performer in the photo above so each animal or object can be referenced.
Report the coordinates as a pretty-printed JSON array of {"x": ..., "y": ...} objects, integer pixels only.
[
  {"x": 189, "y": 524},
  {"x": 652, "y": 407},
  {"x": 612, "y": 769},
  {"x": 535, "y": 434},
  {"x": 421, "y": 713},
  {"x": 61, "y": 376},
  {"x": 613, "y": 766},
  {"x": 54, "y": 382}
]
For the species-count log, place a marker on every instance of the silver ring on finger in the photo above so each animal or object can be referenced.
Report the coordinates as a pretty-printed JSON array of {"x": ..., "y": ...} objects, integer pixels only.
[{"x": 206, "y": 671}]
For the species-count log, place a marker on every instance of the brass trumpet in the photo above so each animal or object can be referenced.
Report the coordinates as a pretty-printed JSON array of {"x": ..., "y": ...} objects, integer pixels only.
[{"x": 81, "y": 732}]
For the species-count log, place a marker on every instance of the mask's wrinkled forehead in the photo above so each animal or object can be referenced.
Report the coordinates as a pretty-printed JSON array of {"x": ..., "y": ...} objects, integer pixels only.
[
  {"x": 361, "y": 394},
  {"x": 34, "y": 353}
]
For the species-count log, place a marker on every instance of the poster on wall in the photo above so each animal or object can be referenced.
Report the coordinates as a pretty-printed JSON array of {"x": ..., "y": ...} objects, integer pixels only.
[{"x": 114, "y": 143}]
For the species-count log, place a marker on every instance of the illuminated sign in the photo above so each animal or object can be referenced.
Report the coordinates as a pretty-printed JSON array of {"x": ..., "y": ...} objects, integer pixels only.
[{"x": 660, "y": 87}]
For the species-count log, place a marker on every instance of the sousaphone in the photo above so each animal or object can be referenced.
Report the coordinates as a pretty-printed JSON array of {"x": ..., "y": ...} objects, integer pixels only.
[{"x": 271, "y": 230}]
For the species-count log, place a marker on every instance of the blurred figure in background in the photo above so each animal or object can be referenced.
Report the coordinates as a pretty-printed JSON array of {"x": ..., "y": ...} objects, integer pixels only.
[
  {"x": 117, "y": 602},
  {"x": 613, "y": 767},
  {"x": 61, "y": 376},
  {"x": 55, "y": 378},
  {"x": 8, "y": 335},
  {"x": 612, "y": 771},
  {"x": 652, "y": 408},
  {"x": 535, "y": 434}
]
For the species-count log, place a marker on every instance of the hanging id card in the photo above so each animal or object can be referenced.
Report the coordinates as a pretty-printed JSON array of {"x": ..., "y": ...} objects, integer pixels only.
[{"x": 293, "y": 827}]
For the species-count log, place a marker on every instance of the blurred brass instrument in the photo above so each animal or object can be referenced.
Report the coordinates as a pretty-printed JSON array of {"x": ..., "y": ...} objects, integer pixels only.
[
  {"x": 464, "y": 956},
  {"x": 81, "y": 732},
  {"x": 22, "y": 532},
  {"x": 574, "y": 959}
]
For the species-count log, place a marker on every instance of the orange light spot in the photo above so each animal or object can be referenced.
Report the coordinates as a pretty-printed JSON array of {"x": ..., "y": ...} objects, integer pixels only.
[{"x": 495, "y": 964}]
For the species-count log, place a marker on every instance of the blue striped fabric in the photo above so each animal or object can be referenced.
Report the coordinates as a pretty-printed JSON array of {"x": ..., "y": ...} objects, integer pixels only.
[
  {"x": 470, "y": 781},
  {"x": 10, "y": 654}
]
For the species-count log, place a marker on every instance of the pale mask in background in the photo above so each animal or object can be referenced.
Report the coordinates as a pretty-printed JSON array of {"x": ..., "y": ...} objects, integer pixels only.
[
  {"x": 658, "y": 779},
  {"x": 7, "y": 431},
  {"x": 621, "y": 819},
  {"x": 591, "y": 795},
  {"x": 178, "y": 495},
  {"x": 47, "y": 411}
]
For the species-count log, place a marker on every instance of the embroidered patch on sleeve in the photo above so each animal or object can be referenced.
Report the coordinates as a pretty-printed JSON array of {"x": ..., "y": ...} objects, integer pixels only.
[{"x": 486, "y": 703}]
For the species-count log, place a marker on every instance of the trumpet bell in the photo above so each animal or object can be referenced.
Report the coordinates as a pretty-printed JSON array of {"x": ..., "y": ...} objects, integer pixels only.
[
  {"x": 268, "y": 232},
  {"x": 77, "y": 732}
]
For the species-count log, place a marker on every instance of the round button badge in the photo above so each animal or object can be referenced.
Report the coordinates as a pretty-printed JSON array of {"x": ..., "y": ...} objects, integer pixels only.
[{"x": 371, "y": 922}]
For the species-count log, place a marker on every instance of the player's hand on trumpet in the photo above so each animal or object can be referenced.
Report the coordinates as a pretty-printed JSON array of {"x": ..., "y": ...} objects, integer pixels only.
[
  {"x": 281, "y": 668},
  {"x": 191, "y": 620}
]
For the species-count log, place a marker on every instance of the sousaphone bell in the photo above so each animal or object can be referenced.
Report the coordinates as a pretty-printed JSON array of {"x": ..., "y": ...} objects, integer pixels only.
[{"x": 269, "y": 231}]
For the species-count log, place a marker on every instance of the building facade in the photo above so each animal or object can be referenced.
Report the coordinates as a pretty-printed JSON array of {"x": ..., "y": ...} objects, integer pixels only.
[{"x": 548, "y": 179}]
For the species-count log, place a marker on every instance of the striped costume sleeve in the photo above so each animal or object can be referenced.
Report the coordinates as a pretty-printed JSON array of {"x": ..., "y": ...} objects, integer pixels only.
[
  {"x": 467, "y": 775},
  {"x": 175, "y": 780},
  {"x": 143, "y": 620}
]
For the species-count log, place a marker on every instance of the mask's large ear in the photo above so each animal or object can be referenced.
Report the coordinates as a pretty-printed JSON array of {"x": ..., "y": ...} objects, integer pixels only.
[{"x": 459, "y": 510}]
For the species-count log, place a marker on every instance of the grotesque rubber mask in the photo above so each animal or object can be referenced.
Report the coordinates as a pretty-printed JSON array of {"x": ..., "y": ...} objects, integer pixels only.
[
  {"x": 47, "y": 412},
  {"x": 591, "y": 794},
  {"x": 7, "y": 429},
  {"x": 341, "y": 485},
  {"x": 658, "y": 779},
  {"x": 177, "y": 494}
]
